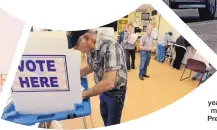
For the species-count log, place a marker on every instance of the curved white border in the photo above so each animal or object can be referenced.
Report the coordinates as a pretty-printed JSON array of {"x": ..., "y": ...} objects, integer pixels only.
[
  {"x": 13, "y": 69},
  {"x": 79, "y": 15},
  {"x": 190, "y": 112}
]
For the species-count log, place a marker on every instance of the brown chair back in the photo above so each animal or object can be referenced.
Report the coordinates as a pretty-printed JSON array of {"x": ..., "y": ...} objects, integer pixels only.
[{"x": 196, "y": 66}]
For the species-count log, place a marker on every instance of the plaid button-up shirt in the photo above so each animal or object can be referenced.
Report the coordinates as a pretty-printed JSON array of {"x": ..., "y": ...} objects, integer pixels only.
[{"x": 108, "y": 55}]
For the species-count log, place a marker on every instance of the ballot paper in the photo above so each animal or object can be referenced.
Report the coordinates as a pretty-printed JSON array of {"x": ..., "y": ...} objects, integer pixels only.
[
  {"x": 48, "y": 77},
  {"x": 133, "y": 38}
]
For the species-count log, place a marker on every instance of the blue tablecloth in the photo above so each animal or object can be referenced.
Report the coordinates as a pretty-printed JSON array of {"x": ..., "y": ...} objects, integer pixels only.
[{"x": 83, "y": 109}]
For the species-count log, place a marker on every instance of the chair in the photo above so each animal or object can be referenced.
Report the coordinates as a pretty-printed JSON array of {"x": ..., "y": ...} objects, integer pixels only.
[{"x": 196, "y": 66}]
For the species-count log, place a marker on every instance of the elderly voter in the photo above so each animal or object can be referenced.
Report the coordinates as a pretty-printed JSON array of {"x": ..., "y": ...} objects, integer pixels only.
[{"x": 106, "y": 59}]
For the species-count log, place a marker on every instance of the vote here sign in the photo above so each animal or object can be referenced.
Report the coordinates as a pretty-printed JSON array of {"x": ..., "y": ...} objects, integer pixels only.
[{"x": 41, "y": 73}]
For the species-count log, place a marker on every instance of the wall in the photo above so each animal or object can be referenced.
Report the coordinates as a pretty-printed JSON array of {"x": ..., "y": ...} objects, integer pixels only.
[{"x": 164, "y": 26}]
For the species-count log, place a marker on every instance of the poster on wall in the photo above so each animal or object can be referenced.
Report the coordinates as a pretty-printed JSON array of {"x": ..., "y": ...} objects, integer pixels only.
[{"x": 145, "y": 16}]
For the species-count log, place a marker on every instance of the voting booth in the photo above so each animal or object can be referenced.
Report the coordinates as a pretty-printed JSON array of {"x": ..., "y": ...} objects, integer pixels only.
[
  {"x": 47, "y": 72},
  {"x": 47, "y": 85}
]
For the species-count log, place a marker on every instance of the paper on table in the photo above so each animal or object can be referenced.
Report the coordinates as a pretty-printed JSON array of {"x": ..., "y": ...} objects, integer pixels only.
[{"x": 133, "y": 38}]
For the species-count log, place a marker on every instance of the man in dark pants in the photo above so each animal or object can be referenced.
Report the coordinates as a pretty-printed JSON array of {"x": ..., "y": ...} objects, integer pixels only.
[
  {"x": 130, "y": 49},
  {"x": 106, "y": 59},
  {"x": 180, "y": 49}
]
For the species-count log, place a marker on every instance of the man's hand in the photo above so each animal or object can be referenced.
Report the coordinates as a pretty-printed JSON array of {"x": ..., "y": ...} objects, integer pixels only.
[
  {"x": 106, "y": 84},
  {"x": 84, "y": 95},
  {"x": 150, "y": 49},
  {"x": 153, "y": 49}
]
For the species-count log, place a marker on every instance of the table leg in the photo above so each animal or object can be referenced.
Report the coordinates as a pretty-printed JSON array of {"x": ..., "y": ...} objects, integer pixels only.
[
  {"x": 91, "y": 121},
  {"x": 84, "y": 122}
]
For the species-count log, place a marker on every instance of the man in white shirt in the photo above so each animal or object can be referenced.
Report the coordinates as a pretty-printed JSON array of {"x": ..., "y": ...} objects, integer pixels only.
[{"x": 154, "y": 32}]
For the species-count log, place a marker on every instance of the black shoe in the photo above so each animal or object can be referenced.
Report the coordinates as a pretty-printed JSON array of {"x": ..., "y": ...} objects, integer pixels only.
[
  {"x": 146, "y": 76},
  {"x": 193, "y": 78},
  {"x": 141, "y": 77}
]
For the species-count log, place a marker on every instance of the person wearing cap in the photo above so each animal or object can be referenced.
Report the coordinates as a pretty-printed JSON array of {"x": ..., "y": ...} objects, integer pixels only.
[
  {"x": 161, "y": 46},
  {"x": 106, "y": 59}
]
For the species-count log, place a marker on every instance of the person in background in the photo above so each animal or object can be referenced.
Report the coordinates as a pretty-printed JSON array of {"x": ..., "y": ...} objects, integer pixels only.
[
  {"x": 161, "y": 46},
  {"x": 180, "y": 49},
  {"x": 121, "y": 35},
  {"x": 198, "y": 57},
  {"x": 154, "y": 32},
  {"x": 32, "y": 30},
  {"x": 129, "y": 48},
  {"x": 146, "y": 47}
]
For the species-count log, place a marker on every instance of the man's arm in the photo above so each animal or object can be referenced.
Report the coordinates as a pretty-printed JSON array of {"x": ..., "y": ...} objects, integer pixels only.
[
  {"x": 106, "y": 84},
  {"x": 112, "y": 63},
  {"x": 142, "y": 44},
  {"x": 85, "y": 71},
  {"x": 126, "y": 38}
]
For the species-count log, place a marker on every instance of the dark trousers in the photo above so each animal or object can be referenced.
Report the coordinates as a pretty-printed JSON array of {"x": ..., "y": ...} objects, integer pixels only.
[
  {"x": 132, "y": 54},
  {"x": 145, "y": 58},
  {"x": 111, "y": 108},
  {"x": 180, "y": 53}
]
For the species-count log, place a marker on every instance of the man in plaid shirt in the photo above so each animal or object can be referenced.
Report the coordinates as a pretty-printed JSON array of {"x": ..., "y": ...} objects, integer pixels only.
[{"x": 106, "y": 59}]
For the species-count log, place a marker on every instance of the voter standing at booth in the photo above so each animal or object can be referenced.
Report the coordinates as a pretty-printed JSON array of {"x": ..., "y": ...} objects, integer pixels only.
[
  {"x": 106, "y": 59},
  {"x": 162, "y": 45},
  {"x": 180, "y": 49}
]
